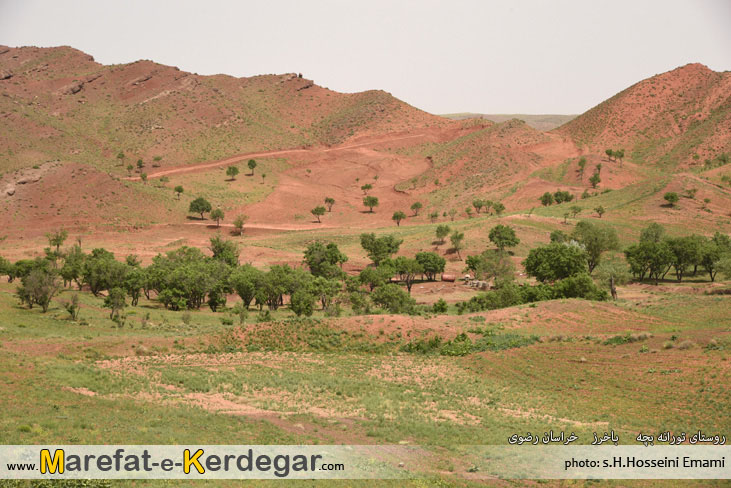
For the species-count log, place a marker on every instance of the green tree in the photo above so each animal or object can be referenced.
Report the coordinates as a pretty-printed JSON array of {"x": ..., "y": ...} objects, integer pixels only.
[
  {"x": 370, "y": 202},
  {"x": 407, "y": 269},
  {"x": 130, "y": 168},
  {"x": 619, "y": 154},
  {"x": 325, "y": 260},
  {"x": 380, "y": 248},
  {"x": 244, "y": 280},
  {"x": 478, "y": 204},
  {"x": 318, "y": 212},
  {"x": 415, "y": 207},
  {"x": 252, "y": 166},
  {"x": 302, "y": 303},
  {"x": 73, "y": 265},
  {"x": 224, "y": 251},
  {"x": 596, "y": 240},
  {"x": 492, "y": 265},
  {"x": 457, "y": 239},
  {"x": 672, "y": 198},
  {"x": 393, "y": 298},
  {"x": 398, "y": 216},
  {"x": 546, "y": 199},
  {"x": 609, "y": 154},
  {"x": 232, "y": 172},
  {"x": 329, "y": 202},
  {"x": 442, "y": 232},
  {"x": 115, "y": 301},
  {"x": 498, "y": 207},
  {"x": 434, "y": 216},
  {"x": 452, "y": 214},
  {"x": 325, "y": 290},
  {"x": 595, "y": 180},
  {"x": 217, "y": 215},
  {"x": 366, "y": 187},
  {"x": 200, "y": 206},
  {"x": 143, "y": 177},
  {"x": 102, "y": 272},
  {"x": 503, "y": 236},
  {"x": 56, "y": 239},
  {"x": 134, "y": 282},
  {"x": 431, "y": 263},
  {"x": 611, "y": 273},
  {"x": 178, "y": 191},
  {"x": 686, "y": 252},
  {"x": 600, "y": 210},
  {"x": 559, "y": 236},
  {"x": 555, "y": 262},
  {"x": 649, "y": 259},
  {"x": 140, "y": 164},
  {"x": 562, "y": 196},
  {"x": 38, "y": 287},
  {"x": 239, "y": 222},
  {"x": 652, "y": 233},
  {"x": 374, "y": 277},
  {"x": 582, "y": 167},
  {"x": 575, "y": 210}
]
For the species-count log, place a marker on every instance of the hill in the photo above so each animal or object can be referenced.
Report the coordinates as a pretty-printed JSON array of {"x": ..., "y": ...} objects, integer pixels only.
[
  {"x": 59, "y": 104},
  {"x": 675, "y": 119},
  {"x": 537, "y": 121}
]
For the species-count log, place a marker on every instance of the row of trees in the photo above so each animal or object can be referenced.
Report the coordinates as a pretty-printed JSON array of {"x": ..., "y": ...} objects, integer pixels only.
[
  {"x": 656, "y": 254},
  {"x": 186, "y": 278}
]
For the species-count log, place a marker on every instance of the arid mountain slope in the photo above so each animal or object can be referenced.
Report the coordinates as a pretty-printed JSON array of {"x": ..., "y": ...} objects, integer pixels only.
[
  {"x": 678, "y": 118},
  {"x": 58, "y": 103}
]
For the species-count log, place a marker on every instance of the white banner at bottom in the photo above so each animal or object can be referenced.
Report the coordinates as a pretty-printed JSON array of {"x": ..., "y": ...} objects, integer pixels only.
[{"x": 362, "y": 462}]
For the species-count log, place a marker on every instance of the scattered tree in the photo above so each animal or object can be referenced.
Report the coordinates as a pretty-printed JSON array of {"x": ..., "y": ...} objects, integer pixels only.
[
  {"x": 600, "y": 210},
  {"x": 252, "y": 166},
  {"x": 595, "y": 180},
  {"x": 200, "y": 206},
  {"x": 555, "y": 262},
  {"x": 115, "y": 301},
  {"x": 318, "y": 212},
  {"x": 596, "y": 239},
  {"x": 415, "y": 207},
  {"x": 503, "y": 236},
  {"x": 582, "y": 167},
  {"x": 370, "y": 202},
  {"x": 329, "y": 202},
  {"x": 398, "y": 216},
  {"x": 217, "y": 215},
  {"x": 380, "y": 248},
  {"x": 546, "y": 199},
  {"x": 442, "y": 232},
  {"x": 232, "y": 172},
  {"x": 366, "y": 187},
  {"x": 672, "y": 198},
  {"x": 178, "y": 191},
  {"x": 457, "y": 239},
  {"x": 431, "y": 263}
]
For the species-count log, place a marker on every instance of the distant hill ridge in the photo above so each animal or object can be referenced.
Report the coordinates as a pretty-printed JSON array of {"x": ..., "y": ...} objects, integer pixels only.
[{"x": 543, "y": 122}]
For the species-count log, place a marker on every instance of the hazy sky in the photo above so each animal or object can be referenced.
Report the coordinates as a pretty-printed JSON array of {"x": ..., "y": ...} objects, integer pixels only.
[{"x": 560, "y": 56}]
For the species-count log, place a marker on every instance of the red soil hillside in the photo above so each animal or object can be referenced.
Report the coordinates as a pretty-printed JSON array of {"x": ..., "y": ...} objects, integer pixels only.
[
  {"x": 58, "y": 103},
  {"x": 487, "y": 162},
  {"x": 678, "y": 118}
]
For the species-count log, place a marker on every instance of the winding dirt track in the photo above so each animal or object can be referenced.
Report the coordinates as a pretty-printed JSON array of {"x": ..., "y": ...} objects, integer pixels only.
[{"x": 265, "y": 154}]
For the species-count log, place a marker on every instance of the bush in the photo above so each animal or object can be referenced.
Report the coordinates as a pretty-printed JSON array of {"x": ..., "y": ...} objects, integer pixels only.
[
  {"x": 440, "y": 306},
  {"x": 393, "y": 298},
  {"x": 302, "y": 303}
]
